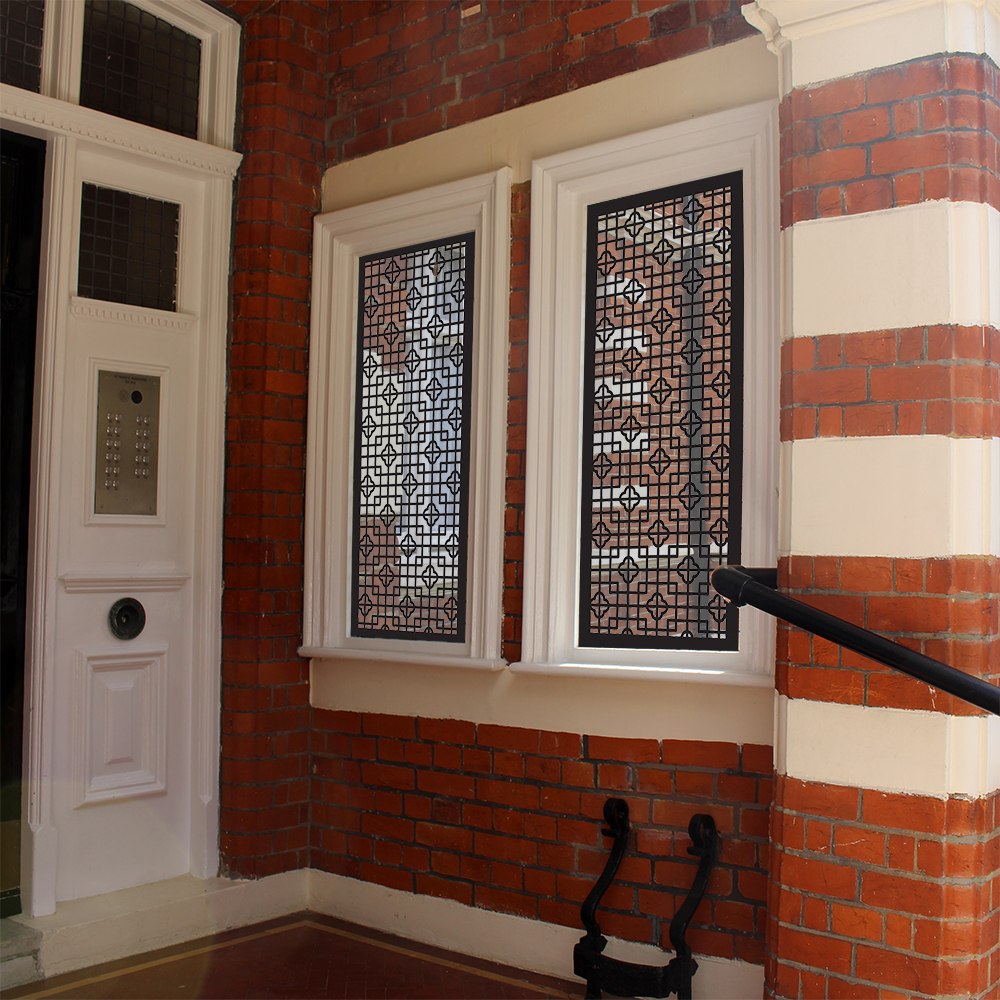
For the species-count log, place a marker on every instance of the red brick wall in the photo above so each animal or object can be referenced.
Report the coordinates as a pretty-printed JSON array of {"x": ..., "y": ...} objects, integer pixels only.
[
  {"x": 324, "y": 82},
  {"x": 399, "y": 71},
  {"x": 927, "y": 380},
  {"x": 920, "y": 131},
  {"x": 945, "y": 608},
  {"x": 265, "y": 696},
  {"x": 877, "y": 895},
  {"x": 509, "y": 819}
]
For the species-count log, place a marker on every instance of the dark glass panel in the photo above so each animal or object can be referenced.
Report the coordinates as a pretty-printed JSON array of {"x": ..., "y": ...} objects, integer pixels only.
[
  {"x": 128, "y": 248},
  {"x": 21, "y": 43},
  {"x": 140, "y": 67}
]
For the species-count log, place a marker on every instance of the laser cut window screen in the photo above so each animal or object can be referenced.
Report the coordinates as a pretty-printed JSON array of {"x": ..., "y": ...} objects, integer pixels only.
[
  {"x": 662, "y": 416},
  {"x": 140, "y": 67},
  {"x": 411, "y": 442},
  {"x": 128, "y": 248},
  {"x": 21, "y": 23}
]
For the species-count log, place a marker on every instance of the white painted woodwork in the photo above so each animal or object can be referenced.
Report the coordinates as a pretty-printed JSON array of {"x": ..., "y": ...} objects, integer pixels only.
[
  {"x": 120, "y": 723},
  {"x": 122, "y": 739},
  {"x": 562, "y": 188},
  {"x": 481, "y": 205}
]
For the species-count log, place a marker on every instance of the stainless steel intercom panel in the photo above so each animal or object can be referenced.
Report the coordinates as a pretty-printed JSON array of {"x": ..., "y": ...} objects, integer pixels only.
[{"x": 128, "y": 433}]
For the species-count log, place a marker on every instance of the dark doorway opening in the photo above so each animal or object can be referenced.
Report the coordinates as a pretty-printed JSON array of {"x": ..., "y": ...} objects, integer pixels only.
[{"x": 22, "y": 173}]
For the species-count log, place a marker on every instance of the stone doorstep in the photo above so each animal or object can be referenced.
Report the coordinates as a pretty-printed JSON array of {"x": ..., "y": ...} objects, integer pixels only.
[
  {"x": 16, "y": 939},
  {"x": 18, "y": 953}
]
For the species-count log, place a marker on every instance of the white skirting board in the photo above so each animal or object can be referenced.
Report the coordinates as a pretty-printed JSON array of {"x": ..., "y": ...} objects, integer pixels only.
[
  {"x": 84, "y": 932},
  {"x": 500, "y": 937}
]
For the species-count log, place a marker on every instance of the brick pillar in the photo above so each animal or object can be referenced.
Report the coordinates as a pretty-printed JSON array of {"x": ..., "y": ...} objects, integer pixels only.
[
  {"x": 266, "y": 714},
  {"x": 885, "y": 849}
]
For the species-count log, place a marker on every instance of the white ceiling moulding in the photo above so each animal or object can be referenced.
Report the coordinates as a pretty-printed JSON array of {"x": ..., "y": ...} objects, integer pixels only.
[{"x": 819, "y": 40}]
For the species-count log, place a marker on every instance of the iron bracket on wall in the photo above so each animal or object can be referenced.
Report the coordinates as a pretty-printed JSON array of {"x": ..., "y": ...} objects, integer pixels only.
[{"x": 625, "y": 979}]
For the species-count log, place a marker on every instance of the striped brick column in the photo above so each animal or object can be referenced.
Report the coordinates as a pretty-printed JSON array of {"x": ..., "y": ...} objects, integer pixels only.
[{"x": 885, "y": 850}]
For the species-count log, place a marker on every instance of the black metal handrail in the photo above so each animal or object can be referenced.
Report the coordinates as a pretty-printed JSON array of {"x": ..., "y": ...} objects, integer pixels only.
[{"x": 739, "y": 586}]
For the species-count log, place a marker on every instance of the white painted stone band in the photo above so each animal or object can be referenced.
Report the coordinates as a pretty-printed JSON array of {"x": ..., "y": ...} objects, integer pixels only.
[
  {"x": 816, "y": 40},
  {"x": 936, "y": 262},
  {"x": 889, "y": 749},
  {"x": 913, "y": 497}
]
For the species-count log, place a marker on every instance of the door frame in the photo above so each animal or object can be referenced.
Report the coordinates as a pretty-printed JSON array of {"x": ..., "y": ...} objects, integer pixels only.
[{"x": 62, "y": 125}]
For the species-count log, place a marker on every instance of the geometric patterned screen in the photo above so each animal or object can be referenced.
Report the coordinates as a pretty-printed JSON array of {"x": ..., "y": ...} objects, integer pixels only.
[
  {"x": 411, "y": 442},
  {"x": 662, "y": 416}
]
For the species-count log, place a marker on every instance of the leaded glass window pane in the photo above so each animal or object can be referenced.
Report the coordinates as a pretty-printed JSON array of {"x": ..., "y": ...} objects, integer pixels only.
[
  {"x": 21, "y": 23},
  {"x": 411, "y": 443},
  {"x": 662, "y": 416},
  {"x": 128, "y": 248},
  {"x": 140, "y": 67}
]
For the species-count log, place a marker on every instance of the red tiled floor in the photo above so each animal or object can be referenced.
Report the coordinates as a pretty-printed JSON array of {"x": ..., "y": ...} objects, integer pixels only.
[{"x": 307, "y": 956}]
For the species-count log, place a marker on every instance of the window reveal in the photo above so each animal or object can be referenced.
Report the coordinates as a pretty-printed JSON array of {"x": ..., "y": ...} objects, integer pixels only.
[
  {"x": 411, "y": 442},
  {"x": 663, "y": 381}
]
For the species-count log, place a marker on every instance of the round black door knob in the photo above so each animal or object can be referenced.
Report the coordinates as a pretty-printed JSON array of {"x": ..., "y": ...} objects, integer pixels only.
[{"x": 127, "y": 618}]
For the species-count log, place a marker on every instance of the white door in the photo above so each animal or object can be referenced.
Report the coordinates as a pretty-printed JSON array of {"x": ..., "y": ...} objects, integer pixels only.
[{"x": 122, "y": 738}]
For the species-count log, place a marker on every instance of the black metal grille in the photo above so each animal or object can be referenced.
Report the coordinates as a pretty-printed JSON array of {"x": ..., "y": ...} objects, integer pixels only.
[
  {"x": 140, "y": 67},
  {"x": 411, "y": 442},
  {"x": 128, "y": 248},
  {"x": 662, "y": 416},
  {"x": 21, "y": 43}
]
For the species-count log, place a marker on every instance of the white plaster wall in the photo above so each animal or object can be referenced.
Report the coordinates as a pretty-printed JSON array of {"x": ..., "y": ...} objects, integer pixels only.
[{"x": 927, "y": 753}]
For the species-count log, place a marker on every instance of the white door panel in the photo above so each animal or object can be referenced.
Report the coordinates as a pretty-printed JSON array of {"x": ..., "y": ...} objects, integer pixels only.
[
  {"x": 130, "y": 714},
  {"x": 122, "y": 735}
]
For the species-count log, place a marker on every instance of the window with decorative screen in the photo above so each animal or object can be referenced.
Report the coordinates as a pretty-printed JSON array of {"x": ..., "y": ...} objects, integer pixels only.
[
  {"x": 652, "y": 438},
  {"x": 128, "y": 248},
  {"x": 661, "y": 450},
  {"x": 21, "y": 23},
  {"x": 140, "y": 67},
  {"x": 411, "y": 442}
]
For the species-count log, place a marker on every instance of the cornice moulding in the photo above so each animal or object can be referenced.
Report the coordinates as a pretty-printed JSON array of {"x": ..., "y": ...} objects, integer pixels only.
[
  {"x": 119, "y": 312},
  {"x": 820, "y": 40},
  {"x": 39, "y": 113}
]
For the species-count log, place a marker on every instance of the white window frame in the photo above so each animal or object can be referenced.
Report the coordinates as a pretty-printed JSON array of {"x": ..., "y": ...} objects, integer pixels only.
[
  {"x": 62, "y": 58},
  {"x": 562, "y": 188},
  {"x": 480, "y": 205}
]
